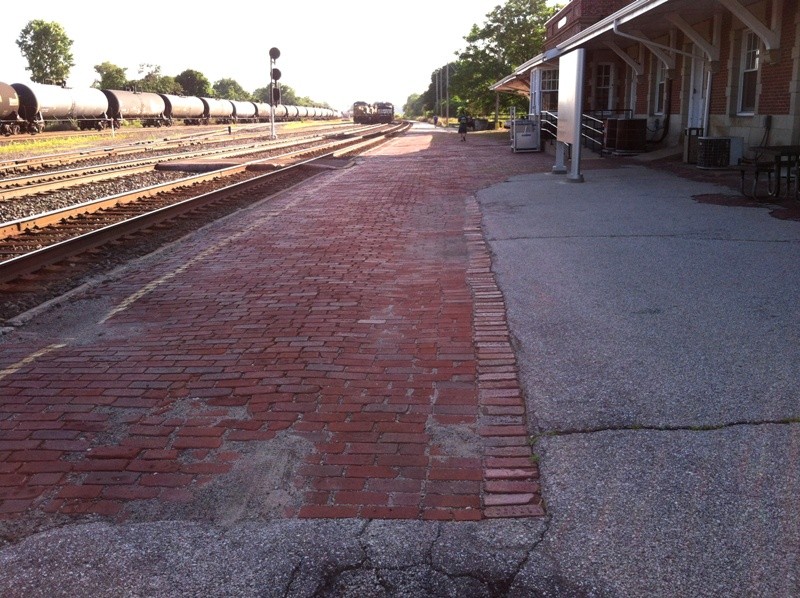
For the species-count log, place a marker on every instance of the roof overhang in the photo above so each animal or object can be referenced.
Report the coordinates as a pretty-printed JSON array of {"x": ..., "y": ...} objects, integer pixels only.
[{"x": 639, "y": 21}]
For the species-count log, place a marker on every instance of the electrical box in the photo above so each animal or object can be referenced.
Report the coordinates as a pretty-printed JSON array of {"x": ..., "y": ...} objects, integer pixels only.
[{"x": 525, "y": 135}]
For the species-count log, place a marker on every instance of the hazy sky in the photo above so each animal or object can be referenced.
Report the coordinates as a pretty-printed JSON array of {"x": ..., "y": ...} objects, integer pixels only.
[{"x": 330, "y": 51}]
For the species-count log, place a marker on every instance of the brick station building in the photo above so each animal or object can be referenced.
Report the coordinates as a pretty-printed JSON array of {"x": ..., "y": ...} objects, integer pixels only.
[{"x": 683, "y": 68}]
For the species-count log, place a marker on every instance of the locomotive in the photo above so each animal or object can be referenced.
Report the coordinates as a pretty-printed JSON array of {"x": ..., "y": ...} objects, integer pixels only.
[
  {"x": 384, "y": 112},
  {"x": 367, "y": 114},
  {"x": 26, "y": 107}
]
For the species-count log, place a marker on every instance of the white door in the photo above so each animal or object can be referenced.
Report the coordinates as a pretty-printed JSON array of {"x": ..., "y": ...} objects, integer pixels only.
[{"x": 697, "y": 94}]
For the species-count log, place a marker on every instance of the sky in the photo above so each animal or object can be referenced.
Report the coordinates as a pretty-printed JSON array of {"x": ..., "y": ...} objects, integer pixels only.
[{"x": 331, "y": 52}]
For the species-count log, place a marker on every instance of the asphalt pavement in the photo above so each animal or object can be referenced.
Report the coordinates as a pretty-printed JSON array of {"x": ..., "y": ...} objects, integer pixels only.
[{"x": 658, "y": 342}]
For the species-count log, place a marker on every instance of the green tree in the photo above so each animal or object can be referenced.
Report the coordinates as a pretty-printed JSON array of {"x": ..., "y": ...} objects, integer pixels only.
[
  {"x": 229, "y": 89},
  {"x": 414, "y": 106},
  {"x": 111, "y": 76},
  {"x": 288, "y": 96},
  {"x": 47, "y": 49},
  {"x": 153, "y": 81},
  {"x": 194, "y": 83},
  {"x": 513, "y": 33}
]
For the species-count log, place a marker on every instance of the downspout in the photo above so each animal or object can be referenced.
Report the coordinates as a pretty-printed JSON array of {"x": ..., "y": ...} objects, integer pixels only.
[{"x": 707, "y": 111}]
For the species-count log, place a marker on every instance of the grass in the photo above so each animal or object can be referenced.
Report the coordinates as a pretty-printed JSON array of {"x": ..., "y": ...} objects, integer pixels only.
[{"x": 32, "y": 144}]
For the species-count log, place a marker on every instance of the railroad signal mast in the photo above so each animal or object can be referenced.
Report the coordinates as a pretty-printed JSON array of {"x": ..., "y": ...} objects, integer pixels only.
[{"x": 274, "y": 89}]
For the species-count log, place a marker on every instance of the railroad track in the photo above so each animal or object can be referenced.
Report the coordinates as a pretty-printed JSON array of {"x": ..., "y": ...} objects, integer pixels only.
[
  {"x": 29, "y": 244},
  {"x": 151, "y": 147},
  {"x": 34, "y": 184}
]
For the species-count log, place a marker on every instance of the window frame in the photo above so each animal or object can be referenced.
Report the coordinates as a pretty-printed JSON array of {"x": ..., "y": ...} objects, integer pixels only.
[
  {"x": 659, "y": 87},
  {"x": 604, "y": 69},
  {"x": 549, "y": 88},
  {"x": 749, "y": 67}
]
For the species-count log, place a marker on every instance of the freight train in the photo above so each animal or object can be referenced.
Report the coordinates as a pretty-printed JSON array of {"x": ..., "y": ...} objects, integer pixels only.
[
  {"x": 27, "y": 107},
  {"x": 367, "y": 114}
]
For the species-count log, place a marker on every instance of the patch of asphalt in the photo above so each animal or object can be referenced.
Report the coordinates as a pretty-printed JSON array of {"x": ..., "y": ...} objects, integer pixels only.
[
  {"x": 678, "y": 513},
  {"x": 633, "y": 305},
  {"x": 278, "y": 558}
]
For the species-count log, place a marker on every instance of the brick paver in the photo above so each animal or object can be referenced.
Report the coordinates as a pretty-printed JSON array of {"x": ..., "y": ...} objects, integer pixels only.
[{"x": 338, "y": 351}]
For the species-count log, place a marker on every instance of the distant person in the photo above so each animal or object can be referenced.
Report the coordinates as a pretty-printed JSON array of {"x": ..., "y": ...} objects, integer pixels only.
[
  {"x": 462, "y": 126},
  {"x": 435, "y": 120}
]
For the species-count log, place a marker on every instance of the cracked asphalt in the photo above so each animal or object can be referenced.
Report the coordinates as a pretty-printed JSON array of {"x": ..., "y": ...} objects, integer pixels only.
[
  {"x": 657, "y": 340},
  {"x": 658, "y": 344}
]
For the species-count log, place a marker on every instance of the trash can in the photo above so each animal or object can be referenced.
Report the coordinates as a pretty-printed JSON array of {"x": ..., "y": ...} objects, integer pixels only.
[{"x": 690, "y": 137}]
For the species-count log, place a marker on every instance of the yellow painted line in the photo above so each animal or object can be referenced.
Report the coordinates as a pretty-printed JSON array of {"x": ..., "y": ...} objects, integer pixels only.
[{"x": 13, "y": 369}]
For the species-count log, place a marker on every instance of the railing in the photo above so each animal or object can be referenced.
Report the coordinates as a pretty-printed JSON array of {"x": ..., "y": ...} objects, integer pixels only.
[
  {"x": 592, "y": 126},
  {"x": 592, "y": 129},
  {"x": 549, "y": 124}
]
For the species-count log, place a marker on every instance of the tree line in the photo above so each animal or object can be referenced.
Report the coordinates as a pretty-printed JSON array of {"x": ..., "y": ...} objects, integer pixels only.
[
  {"x": 512, "y": 34},
  {"x": 48, "y": 51}
]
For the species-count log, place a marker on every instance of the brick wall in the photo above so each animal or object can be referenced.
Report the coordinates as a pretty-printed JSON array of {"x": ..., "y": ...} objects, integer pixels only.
[
  {"x": 577, "y": 16},
  {"x": 776, "y": 78},
  {"x": 720, "y": 81}
]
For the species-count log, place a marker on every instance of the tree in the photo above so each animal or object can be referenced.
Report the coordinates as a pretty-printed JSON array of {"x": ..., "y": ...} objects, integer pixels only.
[
  {"x": 111, "y": 76},
  {"x": 194, "y": 83},
  {"x": 229, "y": 89},
  {"x": 513, "y": 33},
  {"x": 288, "y": 95},
  {"x": 414, "y": 106},
  {"x": 305, "y": 101},
  {"x": 47, "y": 49},
  {"x": 153, "y": 81}
]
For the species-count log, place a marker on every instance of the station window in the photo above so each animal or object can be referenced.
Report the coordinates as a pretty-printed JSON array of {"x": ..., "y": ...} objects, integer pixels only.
[
  {"x": 748, "y": 77},
  {"x": 602, "y": 86},
  {"x": 660, "y": 84},
  {"x": 550, "y": 90}
]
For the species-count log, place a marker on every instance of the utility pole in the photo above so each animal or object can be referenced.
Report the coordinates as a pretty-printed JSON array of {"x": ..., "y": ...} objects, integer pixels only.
[
  {"x": 447, "y": 102},
  {"x": 436, "y": 108}
]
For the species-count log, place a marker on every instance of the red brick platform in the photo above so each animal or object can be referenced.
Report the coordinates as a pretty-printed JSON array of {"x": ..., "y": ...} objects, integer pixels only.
[{"x": 341, "y": 350}]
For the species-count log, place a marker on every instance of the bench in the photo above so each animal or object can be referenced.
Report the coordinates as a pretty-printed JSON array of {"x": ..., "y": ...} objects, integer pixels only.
[{"x": 755, "y": 168}]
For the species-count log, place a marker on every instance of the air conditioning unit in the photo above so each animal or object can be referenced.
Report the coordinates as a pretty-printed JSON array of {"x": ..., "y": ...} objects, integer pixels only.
[{"x": 719, "y": 152}]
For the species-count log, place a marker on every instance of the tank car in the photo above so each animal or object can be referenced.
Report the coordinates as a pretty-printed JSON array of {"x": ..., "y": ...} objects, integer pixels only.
[
  {"x": 190, "y": 109},
  {"x": 221, "y": 111},
  {"x": 243, "y": 111},
  {"x": 281, "y": 112},
  {"x": 145, "y": 106},
  {"x": 39, "y": 103},
  {"x": 262, "y": 111},
  {"x": 292, "y": 112},
  {"x": 10, "y": 123}
]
